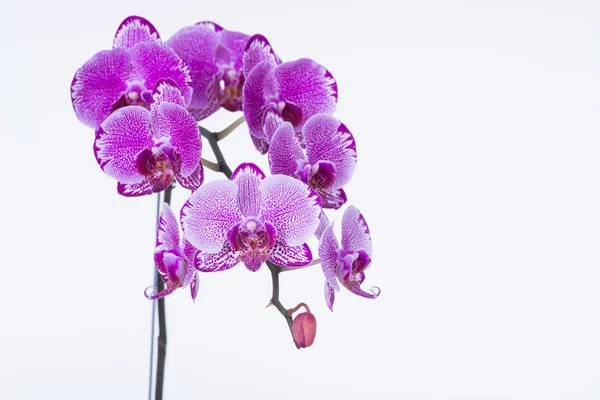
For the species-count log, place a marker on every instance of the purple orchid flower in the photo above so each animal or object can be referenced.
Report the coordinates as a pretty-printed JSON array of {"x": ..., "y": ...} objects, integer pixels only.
[
  {"x": 145, "y": 150},
  {"x": 127, "y": 74},
  {"x": 251, "y": 219},
  {"x": 215, "y": 59},
  {"x": 173, "y": 259},
  {"x": 347, "y": 265},
  {"x": 326, "y": 165},
  {"x": 277, "y": 92}
]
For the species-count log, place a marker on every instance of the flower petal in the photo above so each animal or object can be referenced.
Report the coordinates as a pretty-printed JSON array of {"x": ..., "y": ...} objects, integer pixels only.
[
  {"x": 328, "y": 253},
  {"x": 197, "y": 45},
  {"x": 98, "y": 84},
  {"x": 194, "y": 180},
  {"x": 254, "y": 97},
  {"x": 257, "y": 49},
  {"x": 175, "y": 122},
  {"x": 285, "y": 154},
  {"x": 167, "y": 90},
  {"x": 135, "y": 189},
  {"x": 260, "y": 144},
  {"x": 354, "y": 287},
  {"x": 209, "y": 214},
  {"x": 290, "y": 256},
  {"x": 234, "y": 43},
  {"x": 153, "y": 62},
  {"x": 271, "y": 121},
  {"x": 333, "y": 198},
  {"x": 292, "y": 207},
  {"x": 247, "y": 177},
  {"x": 167, "y": 233},
  {"x": 119, "y": 139},
  {"x": 329, "y": 140},
  {"x": 194, "y": 286},
  {"x": 189, "y": 251},
  {"x": 355, "y": 232},
  {"x": 329, "y": 295},
  {"x": 323, "y": 223},
  {"x": 308, "y": 85},
  {"x": 223, "y": 260},
  {"x": 134, "y": 30}
]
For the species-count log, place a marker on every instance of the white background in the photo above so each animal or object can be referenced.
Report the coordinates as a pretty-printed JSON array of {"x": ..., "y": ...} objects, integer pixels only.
[{"x": 479, "y": 168}]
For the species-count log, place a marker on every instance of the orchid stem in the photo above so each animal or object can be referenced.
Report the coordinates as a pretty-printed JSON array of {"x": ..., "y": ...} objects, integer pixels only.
[
  {"x": 275, "y": 297},
  {"x": 162, "y": 325},
  {"x": 214, "y": 145},
  {"x": 225, "y": 132},
  {"x": 210, "y": 165}
]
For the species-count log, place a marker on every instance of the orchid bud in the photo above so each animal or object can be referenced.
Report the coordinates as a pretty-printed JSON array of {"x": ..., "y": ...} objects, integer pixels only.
[{"x": 304, "y": 327}]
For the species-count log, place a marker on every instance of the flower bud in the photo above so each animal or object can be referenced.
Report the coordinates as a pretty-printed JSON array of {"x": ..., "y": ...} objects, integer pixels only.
[{"x": 304, "y": 329}]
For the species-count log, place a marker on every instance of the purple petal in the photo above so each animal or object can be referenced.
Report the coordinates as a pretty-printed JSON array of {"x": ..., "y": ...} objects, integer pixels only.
[
  {"x": 272, "y": 121},
  {"x": 167, "y": 90},
  {"x": 194, "y": 286},
  {"x": 333, "y": 198},
  {"x": 260, "y": 144},
  {"x": 153, "y": 62},
  {"x": 135, "y": 30},
  {"x": 329, "y": 295},
  {"x": 285, "y": 154},
  {"x": 254, "y": 97},
  {"x": 120, "y": 138},
  {"x": 98, "y": 84},
  {"x": 290, "y": 256},
  {"x": 234, "y": 43},
  {"x": 328, "y": 139},
  {"x": 225, "y": 259},
  {"x": 189, "y": 251},
  {"x": 328, "y": 253},
  {"x": 192, "y": 181},
  {"x": 354, "y": 287},
  {"x": 308, "y": 85},
  {"x": 247, "y": 177},
  {"x": 197, "y": 46},
  {"x": 175, "y": 122},
  {"x": 167, "y": 233},
  {"x": 292, "y": 207},
  {"x": 209, "y": 214},
  {"x": 257, "y": 49},
  {"x": 135, "y": 189},
  {"x": 153, "y": 296},
  {"x": 355, "y": 232},
  {"x": 323, "y": 223}
]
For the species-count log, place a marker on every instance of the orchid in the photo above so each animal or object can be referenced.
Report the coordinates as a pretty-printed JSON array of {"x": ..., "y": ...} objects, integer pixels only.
[
  {"x": 215, "y": 59},
  {"x": 326, "y": 164},
  {"x": 348, "y": 263},
  {"x": 127, "y": 74},
  {"x": 174, "y": 260},
  {"x": 276, "y": 92},
  {"x": 146, "y": 150},
  {"x": 252, "y": 219}
]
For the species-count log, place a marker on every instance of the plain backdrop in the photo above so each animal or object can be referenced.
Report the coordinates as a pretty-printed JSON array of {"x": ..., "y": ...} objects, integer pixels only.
[{"x": 477, "y": 132}]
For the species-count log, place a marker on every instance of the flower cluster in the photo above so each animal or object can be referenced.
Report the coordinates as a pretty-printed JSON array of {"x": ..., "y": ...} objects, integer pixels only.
[{"x": 144, "y": 98}]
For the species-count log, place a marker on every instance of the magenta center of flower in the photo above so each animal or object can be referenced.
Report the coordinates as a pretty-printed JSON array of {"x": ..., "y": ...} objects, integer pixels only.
[
  {"x": 172, "y": 266},
  {"x": 351, "y": 264},
  {"x": 319, "y": 176},
  {"x": 254, "y": 238},
  {"x": 158, "y": 165},
  {"x": 231, "y": 90}
]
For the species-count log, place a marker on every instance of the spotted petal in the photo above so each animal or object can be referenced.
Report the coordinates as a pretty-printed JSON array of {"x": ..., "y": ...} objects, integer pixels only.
[
  {"x": 167, "y": 90},
  {"x": 254, "y": 97},
  {"x": 175, "y": 122},
  {"x": 292, "y": 207},
  {"x": 290, "y": 256},
  {"x": 333, "y": 198},
  {"x": 167, "y": 233},
  {"x": 134, "y": 30},
  {"x": 260, "y": 144},
  {"x": 354, "y": 287},
  {"x": 285, "y": 154},
  {"x": 209, "y": 214},
  {"x": 308, "y": 85},
  {"x": 98, "y": 84},
  {"x": 197, "y": 46},
  {"x": 257, "y": 49},
  {"x": 225, "y": 259},
  {"x": 355, "y": 232},
  {"x": 247, "y": 177},
  {"x": 328, "y": 139},
  {"x": 234, "y": 44},
  {"x": 152, "y": 62},
  {"x": 329, "y": 295},
  {"x": 328, "y": 253},
  {"x": 121, "y": 137},
  {"x": 135, "y": 189},
  {"x": 193, "y": 180}
]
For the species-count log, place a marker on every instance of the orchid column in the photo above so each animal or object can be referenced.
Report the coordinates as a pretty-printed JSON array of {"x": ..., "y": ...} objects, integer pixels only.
[{"x": 144, "y": 98}]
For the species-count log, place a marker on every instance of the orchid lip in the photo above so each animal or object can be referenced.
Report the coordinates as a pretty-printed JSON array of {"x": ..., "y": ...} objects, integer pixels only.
[{"x": 254, "y": 238}]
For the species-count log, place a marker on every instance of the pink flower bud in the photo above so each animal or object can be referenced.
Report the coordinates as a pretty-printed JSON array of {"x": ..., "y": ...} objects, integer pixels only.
[{"x": 304, "y": 329}]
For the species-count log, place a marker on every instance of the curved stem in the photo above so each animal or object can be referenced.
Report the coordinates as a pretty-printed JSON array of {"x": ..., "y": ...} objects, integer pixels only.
[
  {"x": 275, "y": 298},
  {"x": 210, "y": 165},
  {"x": 225, "y": 132},
  {"x": 214, "y": 145}
]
